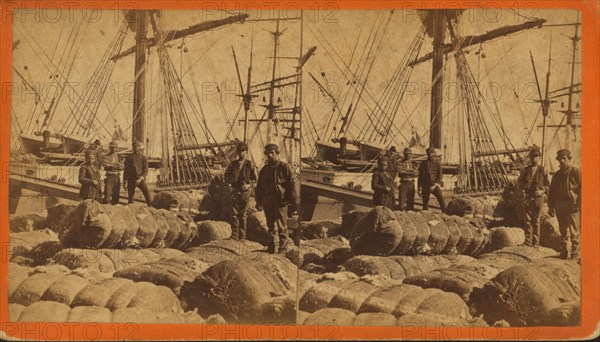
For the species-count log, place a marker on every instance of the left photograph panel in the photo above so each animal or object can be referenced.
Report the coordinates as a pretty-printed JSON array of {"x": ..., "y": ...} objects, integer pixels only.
[{"x": 154, "y": 166}]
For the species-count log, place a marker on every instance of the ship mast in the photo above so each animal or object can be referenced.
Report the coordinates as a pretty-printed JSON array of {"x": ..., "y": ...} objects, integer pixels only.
[
  {"x": 139, "y": 89},
  {"x": 570, "y": 112},
  {"x": 437, "y": 78}
]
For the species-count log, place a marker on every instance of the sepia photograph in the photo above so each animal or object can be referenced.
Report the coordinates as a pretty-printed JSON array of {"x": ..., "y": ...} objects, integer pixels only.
[{"x": 294, "y": 166}]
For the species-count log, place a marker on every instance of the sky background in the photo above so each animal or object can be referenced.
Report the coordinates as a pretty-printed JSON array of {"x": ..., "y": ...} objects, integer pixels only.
[{"x": 209, "y": 76}]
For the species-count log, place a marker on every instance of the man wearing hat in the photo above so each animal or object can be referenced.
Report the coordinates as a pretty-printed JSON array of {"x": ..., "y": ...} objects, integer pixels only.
[
  {"x": 136, "y": 171},
  {"x": 564, "y": 200},
  {"x": 89, "y": 178},
  {"x": 533, "y": 180},
  {"x": 408, "y": 173},
  {"x": 393, "y": 160},
  {"x": 382, "y": 184},
  {"x": 96, "y": 148},
  {"x": 275, "y": 191},
  {"x": 430, "y": 180},
  {"x": 241, "y": 175},
  {"x": 112, "y": 182}
]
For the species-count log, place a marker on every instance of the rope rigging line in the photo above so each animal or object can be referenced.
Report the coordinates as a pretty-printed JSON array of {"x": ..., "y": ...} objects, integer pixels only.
[{"x": 345, "y": 70}]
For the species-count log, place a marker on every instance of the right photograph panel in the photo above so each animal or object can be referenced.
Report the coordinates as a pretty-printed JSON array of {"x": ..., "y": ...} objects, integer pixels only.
[{"x": 441, "y": 168}]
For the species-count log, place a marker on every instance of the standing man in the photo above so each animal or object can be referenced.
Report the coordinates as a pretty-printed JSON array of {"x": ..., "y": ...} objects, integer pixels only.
[
  {"x": 89, "y": 178},
  {"x": 136, "y": 171},
  {"x": 564, "y": 199},
  {"x": 113, "y": 166},
  {"x": 533, "y": 181},
  {"x": 241, "y": 175},
  {"x": 408, "y": 173},
  {"x": 430, "y": 180},
  {"x": 382, "y": 184},
  {"x": 275, "y": 190},
  {"x": 393, "y": 159}
]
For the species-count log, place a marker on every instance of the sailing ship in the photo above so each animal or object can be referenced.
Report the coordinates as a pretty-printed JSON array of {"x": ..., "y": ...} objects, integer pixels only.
[
  {"x": 182, "y": 163},
  {"x": 475, "y": 146}
]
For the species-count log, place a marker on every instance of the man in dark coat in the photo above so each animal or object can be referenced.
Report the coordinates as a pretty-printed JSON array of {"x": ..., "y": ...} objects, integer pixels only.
[
  {"x": 275, "y": 191},
  {"x": 430, "y": 180},
  {"x": 406, "y": 190},
  {"x": 136, "y": 171},
  {"x": 533, "y": 181},
  {"x": 89, "y": 178},
  {"x": 564, "y": 200},
  {"x": 241, "y": 175},
  {"x": 113, "y": 166},
  {"x": 382, "y": 184}
]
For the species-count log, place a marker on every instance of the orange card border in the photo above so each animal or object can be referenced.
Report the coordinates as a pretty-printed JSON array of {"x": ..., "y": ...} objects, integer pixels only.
[{"x": 590, "y": 306}]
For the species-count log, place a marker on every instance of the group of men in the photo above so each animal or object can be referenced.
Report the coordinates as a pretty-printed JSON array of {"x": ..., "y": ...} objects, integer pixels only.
[
  {"x": 134, "y": 168},
  {"x": 562, "y": 197},
  {"x": 428, "y": 175},
  {"x": 275, "y": 192}
]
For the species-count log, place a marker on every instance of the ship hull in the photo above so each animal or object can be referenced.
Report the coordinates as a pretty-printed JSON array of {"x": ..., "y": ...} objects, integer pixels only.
[
  {"x": 330, "y": 152},
  {"x": 33, "y": 144},
  {"x": 370, "y": 151},
  {"x": 72, "y": 144}
]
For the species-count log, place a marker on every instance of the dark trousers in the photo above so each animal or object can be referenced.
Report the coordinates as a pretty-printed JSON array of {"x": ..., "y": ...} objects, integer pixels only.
[
  {"x": 131, "y": 191},
  {"x": 568, "y": 224},
  {"x": 385, "y": 199},
  {"x": 276, "y": 215},
  {"x": 90, "y": 192},
  {"x": 239, "y": 214},
  {"x": 533, "y": 217},
  {"x": 112, "y": 188},
  {"x": 406, "y": 195},
  {"x": 426, "y": 191}
]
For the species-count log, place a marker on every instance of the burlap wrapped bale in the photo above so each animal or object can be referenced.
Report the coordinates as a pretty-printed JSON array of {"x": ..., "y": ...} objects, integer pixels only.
[
  {"x": 330, "y": 317},
  {"x": 213, "y": 230},
  {"x": 76, "y": 288},
  {"x": 30, "y": 244},
  {"x": 56, "y": 214},
  {"x": 524, "y": 295},
  {"x": 550, "y": 234},
  {"x": 378, "y": 233},
  {"x": 313, "y": 251},
  {"x": 230, "y": 249},
  {"x": 434, "y": 320},
  {"x": 334, "y": 259},
  {"x": 321, "y": 229},
  {"x": 514, "y": 255},
  {"x": 236, "y": 290},
  {"x": 29, "y": 289},
  {"x": 439, "y": 232},
  {"x": 169, "y": 272},
  {"x": 280, "y": 310},
  {"x": 110, "y": 260},
  {"x": 188, "y": 200},
  {"x": 14, "y": 311},
  {"x": 464, "y": 205},
  {"x": 365, "y": 296},
  {"x": 460, "y": 279},
  {"x": 349, "y": 220},
  {"x": 501, "y": 237},
  {"x": 256, "y": 229},
  {"x": 481, "y": 206},
  {"x": 398, "y": 267},
  {"x": 16, "y": 275},
  {"x": 46, "y": 311},
  {"x": 93, "y": 225},
  {"x": 383, "y": 232},
  {"x": 377, "y": 319},
  {"x": 565, "y": 314},
  {"x": 26, "y": 222}
]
